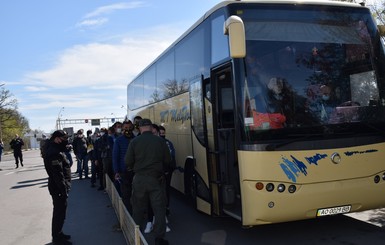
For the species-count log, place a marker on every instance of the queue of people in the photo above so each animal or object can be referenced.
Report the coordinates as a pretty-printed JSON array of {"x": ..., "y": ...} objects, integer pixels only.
[{"x": 138, "y": 161}]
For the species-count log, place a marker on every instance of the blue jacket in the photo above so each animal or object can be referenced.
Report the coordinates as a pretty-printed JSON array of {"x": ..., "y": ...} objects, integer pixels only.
[{"x": 118, "y": 153}]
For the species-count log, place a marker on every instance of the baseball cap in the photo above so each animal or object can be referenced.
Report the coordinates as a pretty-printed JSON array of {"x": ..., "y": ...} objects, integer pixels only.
[{"x": 145, "y": 122}]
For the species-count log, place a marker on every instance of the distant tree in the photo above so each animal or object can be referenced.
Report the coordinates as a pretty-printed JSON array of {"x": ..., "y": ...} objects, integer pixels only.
[
  {"x": 8, "y": 105},
  {"x": 172, "y": 87},
  {"x": 155, "y": 96},
  {"x": 11, "y": 121},
  {"x": 378, "y": 10}
]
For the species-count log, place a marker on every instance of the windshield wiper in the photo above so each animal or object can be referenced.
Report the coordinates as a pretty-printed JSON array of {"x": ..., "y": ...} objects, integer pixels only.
[
  {"x": 274, "y": 146},
  {"x": 370, "y": 125}
]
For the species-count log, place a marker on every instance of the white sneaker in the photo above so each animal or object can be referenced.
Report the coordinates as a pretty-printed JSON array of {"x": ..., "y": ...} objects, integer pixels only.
[
  {"x": 168, "y": 229},
  {"x": 166, "y": 220},
  {"x": 148, "y": 227}
]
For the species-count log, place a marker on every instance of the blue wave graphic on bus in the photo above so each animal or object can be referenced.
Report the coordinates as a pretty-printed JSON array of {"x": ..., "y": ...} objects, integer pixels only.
[
  {"x": 314, "y": 159},
  {"x": 294, "y": 168}
]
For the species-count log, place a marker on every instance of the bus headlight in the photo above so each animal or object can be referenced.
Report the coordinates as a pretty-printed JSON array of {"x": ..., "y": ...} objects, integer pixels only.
[
  {"x": 281, "y": 188},
  {"x": 292, "y": 188},
  {"x": 270, "y": 187},
  {"x": 377, "y": 179}
]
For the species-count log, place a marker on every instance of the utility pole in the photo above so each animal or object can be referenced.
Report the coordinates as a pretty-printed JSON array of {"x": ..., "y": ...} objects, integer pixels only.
[
  {"x": 1, "y": 118},
  {"x": 58, "y": 125}
]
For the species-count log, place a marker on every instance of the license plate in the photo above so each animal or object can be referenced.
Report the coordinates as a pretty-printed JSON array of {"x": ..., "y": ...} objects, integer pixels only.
[{"x": 334, "y": 210}]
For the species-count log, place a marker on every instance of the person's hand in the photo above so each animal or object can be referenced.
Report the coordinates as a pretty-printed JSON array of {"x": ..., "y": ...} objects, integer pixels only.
[{"x": 117, "y": 176}]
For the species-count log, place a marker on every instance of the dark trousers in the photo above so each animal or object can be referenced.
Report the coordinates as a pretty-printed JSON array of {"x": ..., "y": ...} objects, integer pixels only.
[
  {"x": 107, "y": 169},
  {"x": 18, "y": 156},
  {"x": 168, "y": 187},
  {"x": 82, "y": 159},
  {"x": 99, "y": 171},
  {"x": 93, "y": 171},
  {"x": 126, "y": 190},
  {"x": 59, "y": 214}
]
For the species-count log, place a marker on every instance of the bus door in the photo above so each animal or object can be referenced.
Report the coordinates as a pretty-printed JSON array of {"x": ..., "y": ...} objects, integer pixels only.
[{"x": 222, "y": 148}]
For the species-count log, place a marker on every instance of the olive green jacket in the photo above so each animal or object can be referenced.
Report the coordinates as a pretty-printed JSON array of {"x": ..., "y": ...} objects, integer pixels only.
[{"x": 148, "y": 154}]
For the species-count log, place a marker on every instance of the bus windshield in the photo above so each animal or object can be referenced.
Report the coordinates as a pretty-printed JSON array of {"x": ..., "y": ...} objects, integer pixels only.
[{"x": 309, "y": 68}]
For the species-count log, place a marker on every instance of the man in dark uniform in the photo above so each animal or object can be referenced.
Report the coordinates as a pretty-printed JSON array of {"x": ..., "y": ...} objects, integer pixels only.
[
  {"x": 16, "y": 144},
  {"x": 59, "y": 182},
  {"x": 148, "y": 155},
  {"x": 80, "y": 147}
]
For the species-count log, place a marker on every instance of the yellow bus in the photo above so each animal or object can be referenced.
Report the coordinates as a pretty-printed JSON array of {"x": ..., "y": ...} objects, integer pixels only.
[{"x": 276, "y": 109}]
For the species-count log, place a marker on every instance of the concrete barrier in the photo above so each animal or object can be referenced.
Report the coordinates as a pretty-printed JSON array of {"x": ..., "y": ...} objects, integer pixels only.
[{"x": 130, "y": 230}]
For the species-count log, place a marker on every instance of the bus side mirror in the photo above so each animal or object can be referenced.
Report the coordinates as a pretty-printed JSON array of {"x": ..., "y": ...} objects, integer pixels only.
[
  {"x": 381, "y": 29},
  {"x": 235, "y": 29}
]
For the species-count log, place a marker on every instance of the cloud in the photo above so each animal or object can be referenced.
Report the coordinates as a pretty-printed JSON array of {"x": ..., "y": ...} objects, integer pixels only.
[
  {"x": 108, "y": 9},
  {"x": 35, "y": 88},
  {"x": 101, "y": 64},
  {"x": 90, "y": 80},
  {"x": 92, "y": 22}
]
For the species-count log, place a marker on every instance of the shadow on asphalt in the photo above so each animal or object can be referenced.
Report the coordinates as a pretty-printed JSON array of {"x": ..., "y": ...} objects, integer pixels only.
[
  {"x": 190, "y": 227},
  {"x": 90, "y": 217}
]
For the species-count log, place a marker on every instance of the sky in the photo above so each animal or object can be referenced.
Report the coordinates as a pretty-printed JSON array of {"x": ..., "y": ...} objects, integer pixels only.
[{"x": 73, "y": 59}]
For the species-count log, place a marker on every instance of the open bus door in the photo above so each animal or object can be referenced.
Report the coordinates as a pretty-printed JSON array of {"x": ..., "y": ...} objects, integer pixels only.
[
  {"x": 213, "y": 146},
  {"x": 224, "y": 177}
]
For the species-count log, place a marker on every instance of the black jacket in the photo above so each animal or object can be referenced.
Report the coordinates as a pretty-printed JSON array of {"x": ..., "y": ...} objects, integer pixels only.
[
  {"x": 16, "y": 144},
  {"x": 80, "y": 145},
  {"x": 58, "y": 169}
]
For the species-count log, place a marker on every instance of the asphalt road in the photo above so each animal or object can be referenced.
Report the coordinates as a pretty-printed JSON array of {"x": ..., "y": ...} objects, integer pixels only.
[
  {"x": 191, "y": 227},
  {"x": 26, "y": 207}
]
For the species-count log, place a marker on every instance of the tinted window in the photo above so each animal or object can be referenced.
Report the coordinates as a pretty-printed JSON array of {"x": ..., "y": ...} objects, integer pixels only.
[
  {"x": 165, "y": 74},
  {"x": 138, "y": 92},
  {"x": 150, "y": 90},
  {"x": 219, "y": 41},
  {"x": 189, "y": 61}
]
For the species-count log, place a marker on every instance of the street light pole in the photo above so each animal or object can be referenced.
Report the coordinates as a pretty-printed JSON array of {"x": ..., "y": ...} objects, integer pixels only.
[
  {"x": 125, "y": 112},
  {"x": 58, "y": 125},
  {"x": 1, "y": 118}
]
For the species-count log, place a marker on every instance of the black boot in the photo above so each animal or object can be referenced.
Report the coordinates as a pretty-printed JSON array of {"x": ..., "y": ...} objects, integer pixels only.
[
  {"x": 161, "y": 241},
  {"x": 61, "y": 238}
]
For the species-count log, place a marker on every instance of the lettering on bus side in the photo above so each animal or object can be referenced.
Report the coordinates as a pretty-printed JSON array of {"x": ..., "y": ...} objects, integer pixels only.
[
  {"x": 181, "y": 114},
  {"x": 351, "y": 153}
]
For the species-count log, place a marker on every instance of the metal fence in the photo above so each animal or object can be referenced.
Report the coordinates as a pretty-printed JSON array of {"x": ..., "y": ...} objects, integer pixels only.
[{"x": 130, "y": 230}]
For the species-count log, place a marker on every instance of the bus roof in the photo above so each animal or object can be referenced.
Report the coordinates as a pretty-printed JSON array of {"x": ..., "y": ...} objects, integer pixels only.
[{"x": 225, "y": 3}]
